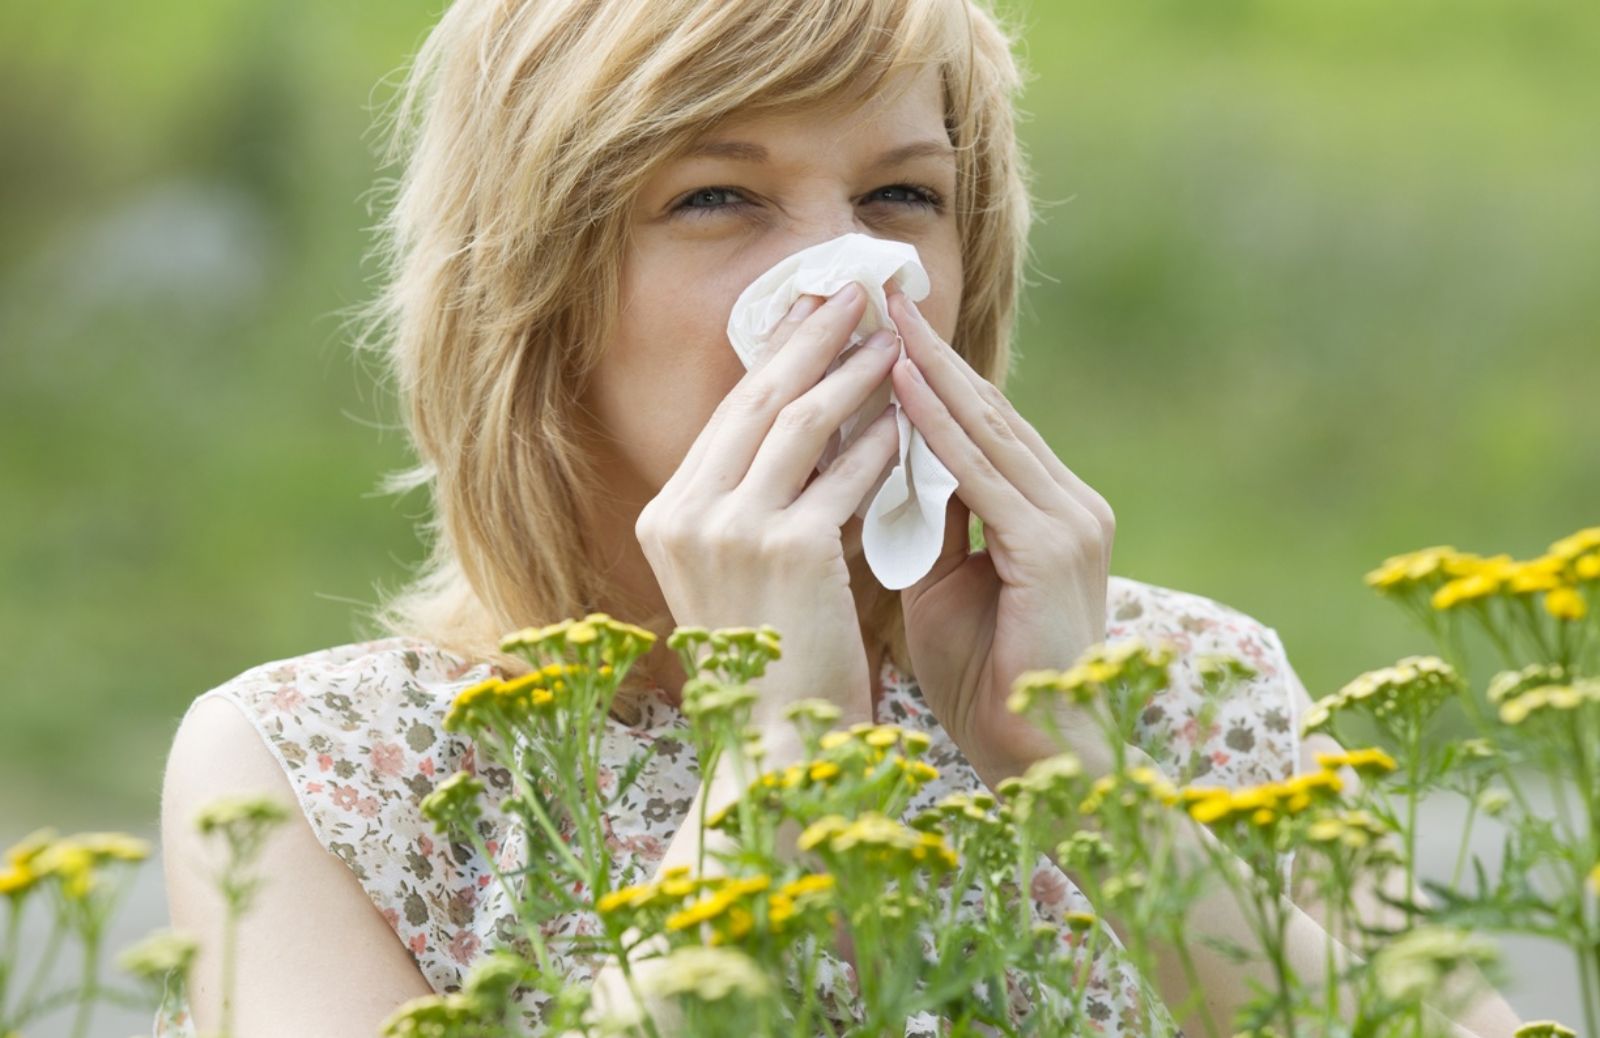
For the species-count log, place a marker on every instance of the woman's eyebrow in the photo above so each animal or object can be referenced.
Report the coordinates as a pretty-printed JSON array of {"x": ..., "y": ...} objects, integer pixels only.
[{"x": 745, "y": 151}]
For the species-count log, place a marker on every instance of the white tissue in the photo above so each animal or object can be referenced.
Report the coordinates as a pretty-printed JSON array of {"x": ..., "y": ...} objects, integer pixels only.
[{"x": 902, "y": 528}]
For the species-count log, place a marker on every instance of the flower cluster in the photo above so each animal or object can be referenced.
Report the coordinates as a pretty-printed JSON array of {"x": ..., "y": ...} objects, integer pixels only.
[
  {"x": 1262, "y": 806},
  {"x": 875, "y": 839},
  {"x": 75, "y": 862},
  {"x": 613, "y": 642},
  {"x": 1451, "y": 578},
  {"x": 496, "y": 704},
  {"x": 733, "y": 907},
  {"x": 1131, "y": 660},
  {"x": 865, "y": 760},
  {"x": 1415, "y": 686}
]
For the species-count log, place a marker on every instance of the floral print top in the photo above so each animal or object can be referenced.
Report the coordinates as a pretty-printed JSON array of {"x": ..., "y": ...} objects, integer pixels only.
[{"x": 356, "y": 728}]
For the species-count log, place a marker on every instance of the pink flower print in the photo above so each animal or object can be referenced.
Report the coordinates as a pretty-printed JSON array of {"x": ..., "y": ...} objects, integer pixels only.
[
  {"x": 1219, "y": 758},
  {"x": 424, "y": 845},
  {"x": 469, "y": 760},
  {"x": 324, "y": 762},
  {"x": 426, "y": 767},
  {"x": 418, "y": 944},
  {"x": 313, "y": 787},
  {"x": 388, "y": 759},
  {"x": 344, "y": 797},
  {"x": 392, "y": 917},
  {"x": 1049, "y": 888},
  {"x": 367, "y": 807},
  {"x": 286, "y": 698},
  {"x": 463, "y": 945},
  {"x": 606, "y": 781},
  {"x": 483, "y": 881}
]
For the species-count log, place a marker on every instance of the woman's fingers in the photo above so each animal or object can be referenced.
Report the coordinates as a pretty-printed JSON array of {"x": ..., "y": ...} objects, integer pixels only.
[
  {"x": 1011, "y": 444},
  {"x": 793, "y": 445},
  {"x": 721, "y": 455},
  {"x": 838, "y": 492}
]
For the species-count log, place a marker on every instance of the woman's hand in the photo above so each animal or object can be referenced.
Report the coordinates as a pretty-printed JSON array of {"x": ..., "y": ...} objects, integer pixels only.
[
  {"x": 1035, "y": 597},
  {"x": 739, "y": 537}
]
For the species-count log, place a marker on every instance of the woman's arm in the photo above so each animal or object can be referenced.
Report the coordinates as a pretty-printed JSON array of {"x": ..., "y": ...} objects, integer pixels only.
[{"x": 313, "y": 956}]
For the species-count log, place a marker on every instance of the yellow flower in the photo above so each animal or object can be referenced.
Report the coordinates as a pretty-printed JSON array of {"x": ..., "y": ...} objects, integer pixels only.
[
  {"x": 16, "y": 880},
  {"x": 1588, "y": 567},
  {"x": 1212, "y": 809},
  {"x": 1409, "y": 568},
  {"x": 1079, "y": 920},
  {"x": 1539, "y": 574},
  {"x": 1372, "y": 761},
  {"x": 708, "y": 907},
  {"x": 1576, "y": 544},
  {"x": 810, "y": 883},
  {"x": 1594, "y": 878},
  {"x": 1565, "y": 603},
  {"x": 1556, "y": 697}
]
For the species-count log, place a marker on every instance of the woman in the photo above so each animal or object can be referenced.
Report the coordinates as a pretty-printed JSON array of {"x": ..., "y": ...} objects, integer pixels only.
[{"x": 587, "y": 187}]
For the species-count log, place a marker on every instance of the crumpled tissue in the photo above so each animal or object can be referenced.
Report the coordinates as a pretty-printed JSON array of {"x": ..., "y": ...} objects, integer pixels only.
[{"x": 902, "y": 519}]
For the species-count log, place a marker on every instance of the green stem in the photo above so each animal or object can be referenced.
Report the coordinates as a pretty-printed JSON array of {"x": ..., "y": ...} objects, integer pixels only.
[
  {"x": 51, "y": 950},
  {"x": 1461, "y": 853},
  {"x": 86, "y": 994},
  {"x": 535, "y": 935}
]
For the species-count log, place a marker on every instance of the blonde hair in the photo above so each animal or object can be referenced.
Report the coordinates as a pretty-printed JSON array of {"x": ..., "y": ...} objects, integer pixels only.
[{"x": 525, "y": 129}]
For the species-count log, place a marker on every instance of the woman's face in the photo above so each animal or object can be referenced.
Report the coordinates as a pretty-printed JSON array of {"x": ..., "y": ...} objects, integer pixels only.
[{"x": 706, "y": 226}]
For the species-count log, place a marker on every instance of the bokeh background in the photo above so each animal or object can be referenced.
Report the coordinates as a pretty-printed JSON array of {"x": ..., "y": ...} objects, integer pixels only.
[{"x": 1314, "y": 284}]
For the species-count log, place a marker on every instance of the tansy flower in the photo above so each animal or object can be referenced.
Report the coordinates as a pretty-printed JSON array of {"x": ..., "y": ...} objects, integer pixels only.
[
  {"x": 618, "y": 642},
  {"x": 159, "y": 954},
  {"x": 1368, "y": 762},
  {"x": 1541, "y": 574},
  {"x": 1508, "y": 684},
  {"x": 1399, "y": 571},
  {"x": 1549, "y": 697},
  {"x": 1576, "y": 544},
  {"x": 1416, "y": 683},
  {"x": 1565, "y": 603},
  {"x": 1482, "y": 577},
  {"x": 75, "y": 860},
  {"x": 453, "y": 804},
  {"x": 1127, "y": 660},
  {"x": 1079, "y": 921},
  {"x": 877, "y": 839},
  {"x": 709, "y": 974}
]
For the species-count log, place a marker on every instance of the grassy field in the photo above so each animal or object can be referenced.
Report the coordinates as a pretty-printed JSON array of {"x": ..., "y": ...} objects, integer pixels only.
[{"x": 1312, "y": 287}]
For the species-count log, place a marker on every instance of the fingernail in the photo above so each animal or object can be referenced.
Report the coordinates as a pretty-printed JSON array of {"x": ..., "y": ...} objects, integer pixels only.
[
  {"x": 803, "y": 307},
  {"x": 846, "y": 295},
  {"x": 882, "y": 339}
]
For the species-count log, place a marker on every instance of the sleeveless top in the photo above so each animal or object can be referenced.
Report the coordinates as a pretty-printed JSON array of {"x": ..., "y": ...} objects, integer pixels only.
[{"x": 357, "y": 730}]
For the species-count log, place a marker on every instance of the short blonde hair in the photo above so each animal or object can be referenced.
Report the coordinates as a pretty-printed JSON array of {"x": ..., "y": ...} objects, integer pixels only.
[{"x": 525, "y": 130}]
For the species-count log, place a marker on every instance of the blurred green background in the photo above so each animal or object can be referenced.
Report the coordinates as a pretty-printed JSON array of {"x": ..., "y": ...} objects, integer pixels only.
[{"x": 1315, "y": 284}]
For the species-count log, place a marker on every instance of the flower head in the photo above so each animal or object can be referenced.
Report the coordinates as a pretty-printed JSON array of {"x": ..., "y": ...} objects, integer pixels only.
[
  {"x": 1416, "y": 685},
  {"x": 159, "y": 954},
  {"x": 453, "y": 804},
  {"x": 1129, "y": 660},
  {"x": 709, "y": 974}
]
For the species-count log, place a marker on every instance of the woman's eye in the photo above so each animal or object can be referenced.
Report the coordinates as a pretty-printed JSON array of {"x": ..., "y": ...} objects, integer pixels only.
[{"x": 921, "y": 197}]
